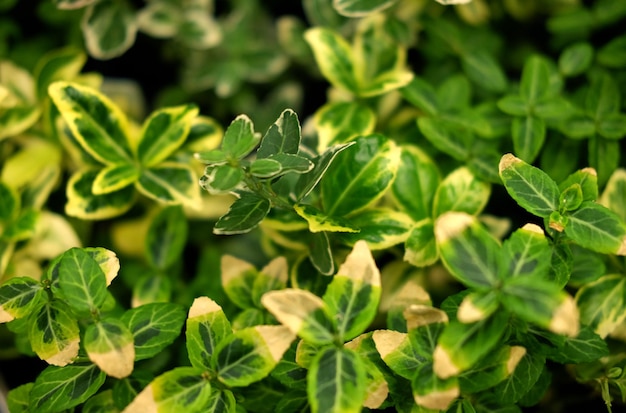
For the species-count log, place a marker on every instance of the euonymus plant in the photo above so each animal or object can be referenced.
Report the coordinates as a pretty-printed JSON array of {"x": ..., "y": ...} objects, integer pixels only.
[{"x": 326, "y": 206}]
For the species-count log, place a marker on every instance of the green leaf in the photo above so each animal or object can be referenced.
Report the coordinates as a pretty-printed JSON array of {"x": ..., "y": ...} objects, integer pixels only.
[
  {"x": 220, "y": 401},
  {"x": 447, "y": 136},
  {"x": 334, "y": 58},
  {"x": 526, "y": 253},
  {"x": 19, "y": 297},
  {"x": 318, "y": 221},
  {"x": 151, "y": 288},
  {"x": 114, "y": 178},
  {"x": 81, "y": 281},
  {"x": 291, "y": 163},
  {"x": 571, "y": 198},
  {"x": 238, "y": 278},
  {"x": 244, "y": 215},
  {"x": 494, "y": 368},
  {"x": 613, "y": 53},
  {"x": 339, "y": 122},
  {"x": 422, "y": 95},
  {"x": 163, "y": 132},
  {"x": 522, "y": 379},
  {"x": 354, "y": 293},
  {"x": 381, "y": 228},
  {"x": 461, "y": 191},
  {"x": 360, "y": 8},
  {"x": 219, "y": 179},
  {"x": 249, "y": 355},
  {"x": 397, "y": 351},
  {"x": 59, "y": 64},
  {"x": 587, "y": 179},
  {"x": 126, "y": 389},
  {"x": 240, "y": 138},
  {"x": 602, "y": 97},
  {"x": 614, "y": 194},
  {"x": 54, "y": 334},
  {"x": 304, "y": 313},
  {"x": 416, "y": 182},
  {"x": 207, "y": 326},
  {"x": 483, "y": 69},
  {"x": 529, "y": 134},
  {"x": 467, "y": 249},
  {"x": 60, "y": 388},
  {"x": 166, "y": 237},
  {"x": 18, "y": 398},
  {"x": 365, "y": 172},
  {"x": 586, "y": 347},
  {"x": 282, "y": 137},
  {"x": 576, "y": 59},
  {"x": 604, "y": 157},
  {"x": 109, "y": 345},
  {"x": 10, "y": 205},
  {"x": 478, "y": 305},
  {"x": 612, "y": 126},
  {"x": 376, "y": 372},
  {"x": 432, "y": 392},
  {"x": 336, "y": 381},
  {"x": 102, "y": 402},
  {"x": 262, "y": 168},
  {"x": 109, "y": 28},
  {"x": 461, "y": 345},
  {"x": 154, "y": 326},
  {"x": 320, "y": 253},
  {"x": 421, "y": 246},
  {"x": 602, "y": 304},
  {"x": 597, "y": 228},
  {"x": 513, "y": 105},
  {"x": 83, "y": 203},
  {"x": 170, "y": 183},
  {"x": 97, "y": 123},
  {"x": 180, "y": 389},
  {"x": 308, "y": 181},
  {"x": 530, "y": 187},
  {"x": 535, "y": 82}
]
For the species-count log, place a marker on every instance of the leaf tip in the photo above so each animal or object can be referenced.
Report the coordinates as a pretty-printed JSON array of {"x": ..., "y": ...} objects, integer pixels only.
[
  {"x": 66, "y": 355},
  {"x": 443, "y": 365},
  {"x": 118, "y": 362},
  {"x": 507, "y": 161},
  {"x": 533, "y": 228},
  {"x": 438, "y": 400},
  {"x": 468, "y": 312},
  {"x": 565, "y": 319},
  {"x": 450, "y": 224},
  {"x": 515, "y": 355},
  {"x": 418, "y": 315},
  {"x": 203, "y": 305},
  {"x": 387, "y": 341}
]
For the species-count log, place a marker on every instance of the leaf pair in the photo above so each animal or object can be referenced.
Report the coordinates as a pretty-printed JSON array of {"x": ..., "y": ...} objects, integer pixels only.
[{"x": 103, "y": 130}]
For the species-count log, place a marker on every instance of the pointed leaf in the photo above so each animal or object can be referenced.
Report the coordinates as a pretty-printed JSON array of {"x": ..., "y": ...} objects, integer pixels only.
[
  {"x": 207, "y": 326},
  {"x": 526, "y": 253},
  {"x": 320, "y": 253},
  {"x": 238, "y": 278},
  {"x": 154, "y": 327},
  {"x": 170, "y": 183},
  {"x": 19, "y": 297},
  {"x": 82, "y": 281},
  {"x": 431, "y": 391},
  {"x": 422, "y": 95},
  {"x": 614, "y": 195},
  {"x": 114, "y": 178},
  {"x": 360, "y": 8},
  {"x": 244, "y": 215},
  {"x": 381, "y": 228},
  {"x": 239, "y": 138},
  {"x": 447, "y": 136},
  {"x": 96, "y": 122},
  {"x": 576, "y": 59},
  {"x": 318, "y": 221},
  {"x": 597, "y": 228},
  {"x": 109, "y": 345},
  {"x": 164, "y": 132},
  {"x": 522, "y": 379},
  {"x": 483, "y": 69},
  {"x": 59, "y": 64},
  {"x": 282, "y": 137},
  {"x": 83, "y": 203},
  {"x": 54, "y": 334}
]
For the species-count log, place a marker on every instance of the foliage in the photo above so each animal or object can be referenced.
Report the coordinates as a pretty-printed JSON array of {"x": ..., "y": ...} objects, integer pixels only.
[{"x": 327, "y": 206}]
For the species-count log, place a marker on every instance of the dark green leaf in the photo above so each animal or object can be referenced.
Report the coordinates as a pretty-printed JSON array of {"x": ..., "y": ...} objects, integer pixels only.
[
  {"x": 447, "y": 136},
  {"x": 576, "y": 59},
  {"x": 166, "y": 237},
  {"x": 307, "y": 182},
  {"x": 529, "y": 134},
  {"x": 521, "y": 380},
  {"x": 483, "y": 69},
  {"x": 240, "y": 138},
  {"x": 82, "y": 282},
  {"x": 244, "y": 214},
  {"x": 282, "y": 137},
  {"x": 597, "y": 228},
  {"x": 19, "y": 297}
]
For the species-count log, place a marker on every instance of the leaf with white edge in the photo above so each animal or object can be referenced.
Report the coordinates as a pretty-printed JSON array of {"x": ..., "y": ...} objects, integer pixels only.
[
  {"x": 212, "y": 157},
  {"x": 238, "y": 278},
  {"x": 529, "y": 186},
  {"x": 320, "y": 253},
  {"x": 597, "y": 228},
  {"x": 240, "y": 139},
  {"x": 19, "y": 297},
  {"x": 467, "y": 249},
  {"x": 338, "y": 122},
  {"x": 336, "y": 381},
  {"x": 205, "y": 133},
  {"x": 207, "y": 326},
  {"x": 614, "y": 194},
  {"x": 109, "y": 28},
  {"x": 318, "y": 221},
  {"x": 447, "y": 136},
  {"x": 54, "y": 334},
  {"x": 83, "y": 203},
  {"x": 431, "y": 391},
  {"x": 244, "y": 215},
  {"x": 249, "y": 355},
  {"x": 307, "y": 182},
  {"x": 180, "y": 389},
  {"x": 478, "y": 305},
  {"x": 109, "y": 345},
  {"x": 461, "y": 191},
  {"x": 159, "y": 19},
  {"x": 375, "y": 370},
  {"x": 292, "y": 163},
  {"x": 261, "y": 168},
  {"x": 166, "y": 237},
  {"x": 381, "y": 228},
  {"x": 416, "y": 183},
  {"x": 81, "y": 281},
  {"x": 114, "y": 178},
  {"x": 225, "y": 178},
  {"x": 96, "y": 122},
  {"x": 154, "y": 326},
  {"x": 420, "y": 247},
  {"x": 304, "y": 313},
  {"x": 164, "y": 132},
  {"x": 602, "y": 304},
  {"x": 461, "y": 345},
  {"x": 170, "y": 183},
  {"x": 522, "y": 378},
  {"x": 282, "y": 137},
  {"x": 525, "y": 253},
  {"x": 360, "y": 8},
  {"x": 334, "y": 58},
  {"x": 397, "y": 351},
  {"x": 59, "y": 388},
  {"x": 354, "y": 293},
  {"x": 367, "y": 169}
]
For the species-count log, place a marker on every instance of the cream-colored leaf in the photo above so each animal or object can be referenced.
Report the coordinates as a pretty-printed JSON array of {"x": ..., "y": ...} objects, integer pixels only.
[
  {"x": 360, "y": 265},
  {"x": 515, "y": 355},
  {"x": 291, "y": 306},
  {"x": 376, "y": 395},
  {"x": 277, "y": 338},
  {"x": 508, "y": 161},
  {"x": 116, "y": 363},
  {"x": 143, "y": 403},
  {"x": 66, "y": 355},
  {"x": 565, "y": 319},
  {"x": 452, "y": 223},
  {"x": 533, "y": 228},
  {"x": 388, "y": 341},
  {"x": 443, "y": 365},
  {"x": 232, "y": 267},
  {"x": 5, "y": 316},
  {"x": 277, "y": 268},
  {"x": 468, "y": 312},
  {"x": 438, "y": 400},
  {"x": 418, "y": 315},
  {"x": 202, "y": 306}
]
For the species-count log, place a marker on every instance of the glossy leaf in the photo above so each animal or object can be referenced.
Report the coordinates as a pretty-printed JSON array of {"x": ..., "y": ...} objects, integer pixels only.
[
  {"x": 166, "y": 237},
  {"x": 170, "y": 183},
  {"x": 109, "y": 28},
  {"x": 282, "y": 137},
  {"x": 114, "y": 178},
  {"x": 461, "y": 191},
  {"x": 318, "y": 221},
  {"x": 587, "y": 179},
  {"x": 602, "y": 304},
  {"x": 101, "y": 402},
  {"x": 18, "y": 398},
  {"x": 597, "y": 228},
  {"x": 240, "y": 138},
  {"x": 96, "y": 122},
  {"x": 59, "y": 64},
  {"x": 614, "y": 194},
  {"x": 19, "y": 297},
  {"x": 339, "y": 122},
  {"x": 336, "y": 381},
  {"x": 207, "y": 326},
  {"x": 309, "y": 181},
  {"x": 151, "y": 288},
  {"x": 224, "y": 178},
  {"x": 244, "y": 215},
  {"x": 82, "y": 281},
  {"x": 586, "y": 347},
  {"x": 109, "y": 345},
  {"x": 154, "y": 327},
  {"x": 238, "y": 278},
  {"x": 320, "y": 253},
  {"x": 164, "y": 132},
  {"x": 249, "y": 355},
  {"x": 60, "y": 388},
  {"x": 529, "y": 186},
  {"x": 365, "y": 172},
  {"x": 381, "y": 228},
  {"x": 53, "y": 334},
  {"x": 83, "y": 203},
  {"x": 431, "y": 391},
  {"x": 291, "y": 163}
]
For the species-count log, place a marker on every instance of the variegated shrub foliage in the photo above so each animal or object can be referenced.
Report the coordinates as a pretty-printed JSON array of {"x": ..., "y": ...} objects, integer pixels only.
[{"x": 444, "y": 232}]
